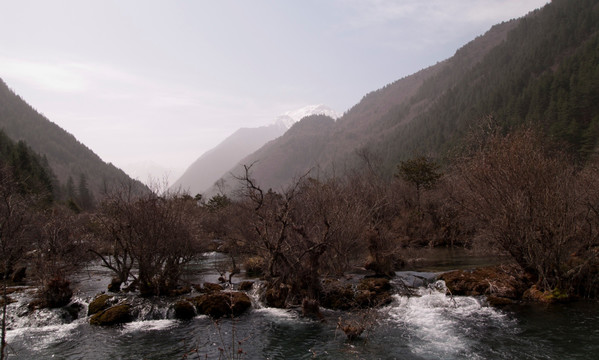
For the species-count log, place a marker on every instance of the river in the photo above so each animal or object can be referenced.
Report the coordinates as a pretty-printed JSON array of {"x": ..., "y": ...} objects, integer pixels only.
[{"x": 428, "y": 326}]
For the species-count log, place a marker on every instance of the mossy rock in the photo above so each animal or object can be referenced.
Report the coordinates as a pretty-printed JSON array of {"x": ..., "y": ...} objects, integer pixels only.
[
  {"x": 98, "y": 304},
  {"x": 184, "y": 310},
  {"x": 497, "y": 301},
  {"x": 117, "y": 314},
  {"x": 554, "y": 296},
  {"x": 500, "y": 281},
  {"x": 219, "y": 304},
  {"x": 212, "y": 287}
]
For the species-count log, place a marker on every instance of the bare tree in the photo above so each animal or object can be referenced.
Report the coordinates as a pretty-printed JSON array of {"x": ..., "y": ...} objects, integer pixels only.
[
  {"x": 304, "y": 232},
  {"x": 158, "y": 234},
  {"x": 59, "y": 251}
]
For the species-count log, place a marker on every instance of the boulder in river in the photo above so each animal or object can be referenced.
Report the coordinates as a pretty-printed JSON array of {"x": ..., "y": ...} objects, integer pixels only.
[
  {"x": 98, "y": 304},
  {"x": 184, "y": 310},
  {"x": 212, "y": 287},
  {"x": 117, "y": 314},
  {"x": 219, "y": 304}
]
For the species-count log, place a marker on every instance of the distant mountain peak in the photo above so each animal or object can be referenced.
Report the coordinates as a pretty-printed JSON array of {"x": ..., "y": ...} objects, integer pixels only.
[{"x": 289, "y": 118}]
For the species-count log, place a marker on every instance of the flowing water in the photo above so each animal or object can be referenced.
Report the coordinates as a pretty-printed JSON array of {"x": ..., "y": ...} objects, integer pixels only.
[{"x": 429, "y": 325}]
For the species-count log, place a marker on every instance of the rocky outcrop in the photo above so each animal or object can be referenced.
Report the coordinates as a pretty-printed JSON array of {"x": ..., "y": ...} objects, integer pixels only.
[
  {"x": 219, "y": 304},
  {"x": 117, "y": 314}
]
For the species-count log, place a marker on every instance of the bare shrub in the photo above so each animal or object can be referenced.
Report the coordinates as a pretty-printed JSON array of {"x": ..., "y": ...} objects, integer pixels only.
[
  {"x": 532, "y": 202},
  {"x": 156, "y": 234}
]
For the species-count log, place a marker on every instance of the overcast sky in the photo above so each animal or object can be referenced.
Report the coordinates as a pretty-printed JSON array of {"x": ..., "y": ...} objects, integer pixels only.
[{"x": 160, "y": 82}]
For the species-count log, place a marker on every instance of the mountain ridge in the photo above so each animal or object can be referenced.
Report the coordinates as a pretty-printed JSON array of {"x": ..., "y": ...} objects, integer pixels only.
[
  {"x": 212, "y": 164},
  {"x": 66, "y": 156}
]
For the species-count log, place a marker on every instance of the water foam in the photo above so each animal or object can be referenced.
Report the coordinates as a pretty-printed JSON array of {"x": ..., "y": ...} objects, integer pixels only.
[
  {"x": 435, "y": 321},
  {"x": 148, "y": 325},
  {"x": 37, "y": 338},
  {"x": 278, "y": 314}
]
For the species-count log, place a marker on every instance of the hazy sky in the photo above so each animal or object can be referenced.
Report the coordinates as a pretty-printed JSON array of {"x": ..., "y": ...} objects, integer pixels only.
[{"x": 160, "y": 82}]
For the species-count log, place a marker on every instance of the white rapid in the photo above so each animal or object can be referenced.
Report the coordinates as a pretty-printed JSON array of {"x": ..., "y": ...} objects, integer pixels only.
[{"x": 439, "y": 325}]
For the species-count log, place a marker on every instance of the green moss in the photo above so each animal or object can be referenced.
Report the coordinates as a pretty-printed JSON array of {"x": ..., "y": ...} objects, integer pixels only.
[
  {"x": 117, "y": 314},
  {"x": 98, "y": 304},
  {"x": 556, "y": 295}
]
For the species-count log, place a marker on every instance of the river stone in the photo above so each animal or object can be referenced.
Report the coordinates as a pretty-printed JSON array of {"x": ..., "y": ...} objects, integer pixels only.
[
  {"x": 117, "y": 314},
  {"x": 219, "y": 304},
  {"x": 98, "y": 304},
  {"x": 212, "y": 287},
  {"x": 184, "y": 310}
]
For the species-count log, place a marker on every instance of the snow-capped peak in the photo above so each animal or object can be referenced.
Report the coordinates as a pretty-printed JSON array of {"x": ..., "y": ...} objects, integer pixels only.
[{"x": 291, "y": 117}]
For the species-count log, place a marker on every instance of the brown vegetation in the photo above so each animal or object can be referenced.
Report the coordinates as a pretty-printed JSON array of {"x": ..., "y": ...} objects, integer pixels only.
[
  {"x": 537, "y": 205},
  {"x": 155, "y": 234}
]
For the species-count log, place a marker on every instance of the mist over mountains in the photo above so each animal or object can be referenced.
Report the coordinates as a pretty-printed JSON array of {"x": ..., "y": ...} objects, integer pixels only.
[{"x": 213, "y": 164}]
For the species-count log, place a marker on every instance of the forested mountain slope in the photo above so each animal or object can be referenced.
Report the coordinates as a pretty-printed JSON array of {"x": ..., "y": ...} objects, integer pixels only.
[
  {"x": 66, "y": 156},
  {"x": 30, "y": 172},
  {"x": 540, "y": 69}
]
